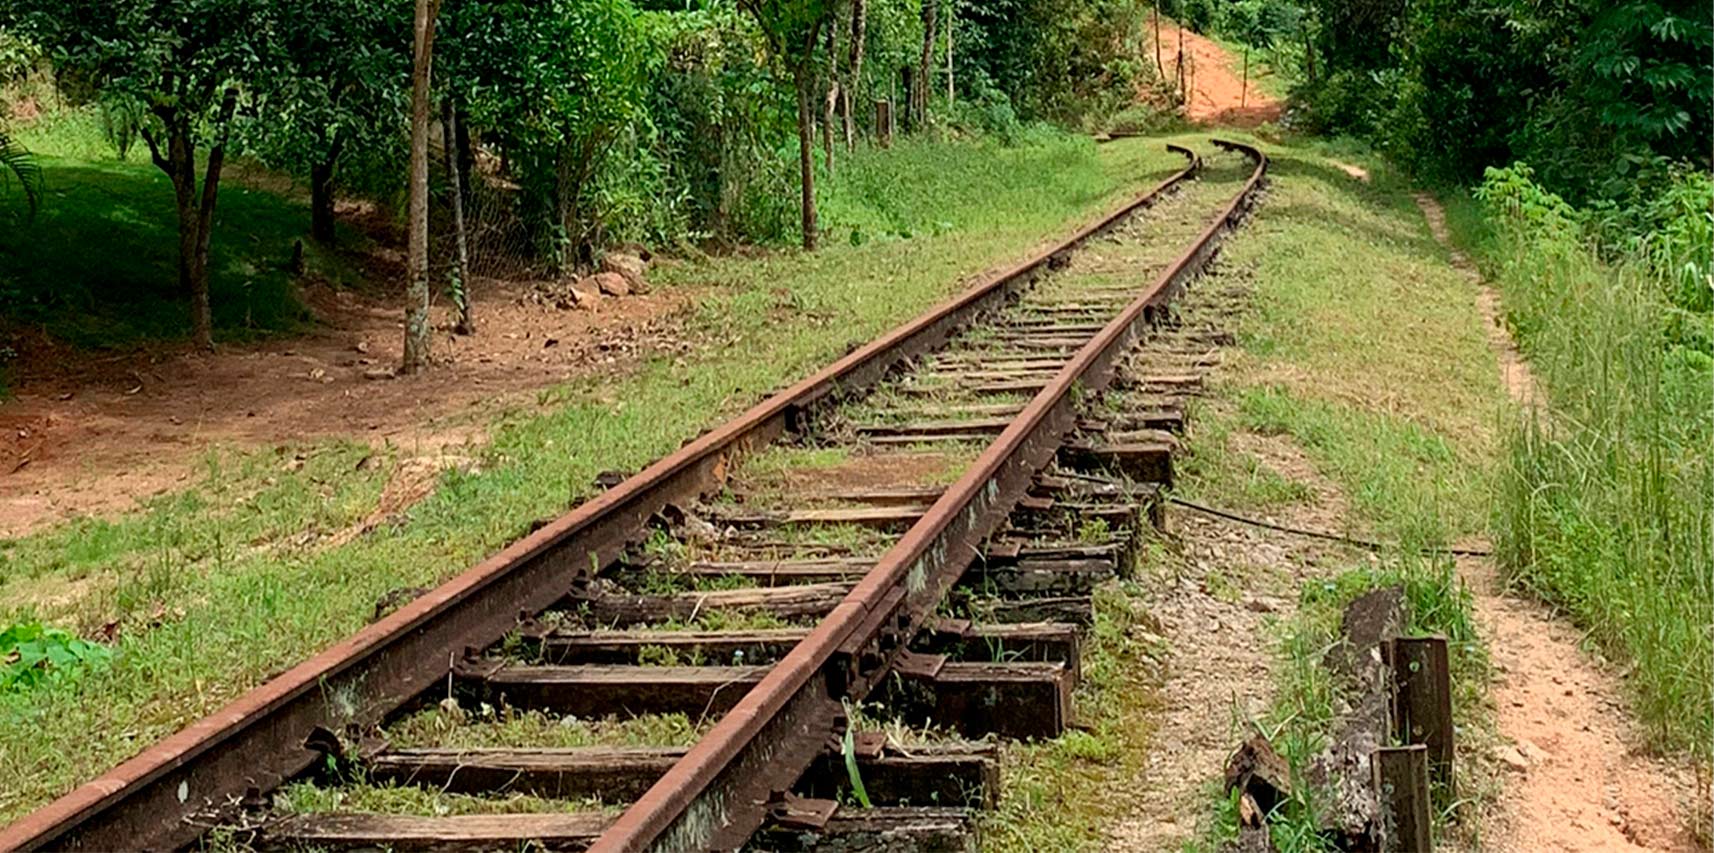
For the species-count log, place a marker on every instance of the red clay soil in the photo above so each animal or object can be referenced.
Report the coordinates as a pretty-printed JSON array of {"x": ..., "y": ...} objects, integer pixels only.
[
  {"x": 1218, "y": 94},
  {"x": 93, "y": 435}
]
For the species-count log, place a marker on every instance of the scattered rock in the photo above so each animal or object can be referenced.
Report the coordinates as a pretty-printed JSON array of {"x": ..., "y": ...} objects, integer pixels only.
[
  {"x": 629, "y": 266},
  {"x": 1511, "y": 757},
  {"x": 363, "y": 347},
  {"x": 611, "y": 284},
  {"x": 379, "y": 373},
  {"x": 582, "y": 297}
]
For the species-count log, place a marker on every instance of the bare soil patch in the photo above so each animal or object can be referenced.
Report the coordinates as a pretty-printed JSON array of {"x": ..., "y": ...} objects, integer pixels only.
[
  {"x": 1218, "y": 93},
  {"x": 93, "y": 434},
  {"x": 1576, "y": 777}
]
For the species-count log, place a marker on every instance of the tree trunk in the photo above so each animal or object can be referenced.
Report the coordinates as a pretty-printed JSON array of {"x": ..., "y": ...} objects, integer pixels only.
[
  {"x": 321, "y": 194},
  {"x": 831, "y": 103},
  {"x": 951, "y": 9},
  {"x": 202, "y": 318},
  {"x": 1160, "y": 67},
  {"x": 925, "y": 64},
  {"x": 195, "y": 210},
  {"x": 806, "y": 157},
  {"x": 417, "y": 291},
  {"x": 853, "y": 85},
  {"x": 461, "y": 259}
]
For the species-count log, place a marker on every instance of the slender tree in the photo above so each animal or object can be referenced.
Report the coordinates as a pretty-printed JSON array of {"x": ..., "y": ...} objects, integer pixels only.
[
  {"x": 461, "y": 245},
  {"x": 859, "y": 34},
  {"x": 417, "y": 291},
  {"x": 925, "y": 63},
  {"x": 793, "y": 30}
]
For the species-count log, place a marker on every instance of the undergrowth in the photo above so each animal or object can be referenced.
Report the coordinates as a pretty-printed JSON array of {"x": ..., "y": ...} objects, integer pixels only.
[{"x": 1604, "y": 503}]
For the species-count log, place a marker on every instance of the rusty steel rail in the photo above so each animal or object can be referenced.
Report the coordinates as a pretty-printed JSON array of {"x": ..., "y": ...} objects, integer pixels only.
[
  {"x": 167, "y": 795},
  {"x": 721, "y": 791}
]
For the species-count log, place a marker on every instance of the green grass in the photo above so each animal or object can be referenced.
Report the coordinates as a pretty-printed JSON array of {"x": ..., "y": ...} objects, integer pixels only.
[
  {"x": 98, "y": 266},
  {"x": 237, "y": 564},
  {"x": 1604, "y": 503}
]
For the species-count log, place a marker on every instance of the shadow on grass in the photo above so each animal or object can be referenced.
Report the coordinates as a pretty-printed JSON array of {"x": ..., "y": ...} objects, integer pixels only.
[{"x": 98, "y": 266}]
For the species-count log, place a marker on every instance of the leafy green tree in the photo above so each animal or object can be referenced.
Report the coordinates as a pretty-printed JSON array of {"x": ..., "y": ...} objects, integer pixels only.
[
  {"x": 553, "y": 83},
  {"x": 793, "y": 29},
  {"x": 190, "y": 62},
  {"x": 341, "y": 89}
]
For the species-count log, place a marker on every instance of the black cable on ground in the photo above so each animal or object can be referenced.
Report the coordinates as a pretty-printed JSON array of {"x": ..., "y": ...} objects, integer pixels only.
[{"x": 1330, "y": 537}]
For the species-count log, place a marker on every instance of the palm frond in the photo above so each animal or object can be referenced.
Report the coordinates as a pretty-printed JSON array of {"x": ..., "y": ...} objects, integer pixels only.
[{"x": 17, "y": 164}]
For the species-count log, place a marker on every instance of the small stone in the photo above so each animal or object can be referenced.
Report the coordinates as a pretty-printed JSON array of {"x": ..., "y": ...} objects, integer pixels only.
[
  {"x": 362, "y": 347},
  {"x": 629, "y": 266},
  {"x": 378, "y": 373},
  {"x": 1511, "y": 757},
  {"x": 611, "y": 284}
]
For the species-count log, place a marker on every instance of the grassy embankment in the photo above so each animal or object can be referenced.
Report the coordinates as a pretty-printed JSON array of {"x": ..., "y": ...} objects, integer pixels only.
[
  {"x": 1345, "y": 273},
  {"x": 1606, "y": 499},
  {"x": 218, "y": 586}
]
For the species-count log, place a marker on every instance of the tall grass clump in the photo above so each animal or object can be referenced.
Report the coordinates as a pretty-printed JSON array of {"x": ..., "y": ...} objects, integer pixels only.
[{"x": 1605, "y": 504}]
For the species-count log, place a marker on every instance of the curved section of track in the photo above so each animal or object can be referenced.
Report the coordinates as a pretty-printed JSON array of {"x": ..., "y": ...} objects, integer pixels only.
[{"x": 723, "y": 787}]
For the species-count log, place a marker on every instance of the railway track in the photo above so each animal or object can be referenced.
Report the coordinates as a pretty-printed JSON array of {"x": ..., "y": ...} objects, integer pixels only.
[{"x": 910, "y": 537}]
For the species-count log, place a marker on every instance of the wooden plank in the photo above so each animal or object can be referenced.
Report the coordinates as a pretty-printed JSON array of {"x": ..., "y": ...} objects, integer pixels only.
[
  {"x": 1401, "y": 780},
  {"x": 1029, "y": 642},
  {"x": 559, "y": 832},
  {"x": 980, "y": 436},
  {"x": 1422, "y": 702},
  {"x": 1044, "y": 642},
  {"x": 622, "y": 647},
  {"x": 1143, "y": 461},
  {"x": 596, "y": 690},
  {"x": 609, "y": 773},
  {"x": 897, "y": 830},
  {"x": 779, "y": 572},
  {"x": 939, "y": 774},
  {"x": 888, "y": 495},
  {"x": 945, "y": 410},
  {"x": 938, "y": 427},
  {"x": 787, "y": 602},
  {"x": 893, "y": 830},
  {"x": 863, "y": 516},
  {"x": 950, "y": 774},
  {"x": 1018, "y": 700},
  {"x": 1025, "y": 577},
  {"x": 1070, "y": 609}
]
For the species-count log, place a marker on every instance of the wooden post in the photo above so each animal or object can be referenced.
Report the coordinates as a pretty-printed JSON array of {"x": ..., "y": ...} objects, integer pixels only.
[
  {"x": 1183, "y": 97},
  {"x": 1401, "y": 782},
  {"x": 1422, "y": 701},
  {"x": 1244, "y": 93},
  {"x": 884, "y": 121}
]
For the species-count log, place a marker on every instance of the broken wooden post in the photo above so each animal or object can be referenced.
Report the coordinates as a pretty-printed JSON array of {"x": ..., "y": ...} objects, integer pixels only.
[
  {"x": 1422, "y": 701},
  {"x": 884, "y": 121},
  {"x": 1401, "y": 781}
]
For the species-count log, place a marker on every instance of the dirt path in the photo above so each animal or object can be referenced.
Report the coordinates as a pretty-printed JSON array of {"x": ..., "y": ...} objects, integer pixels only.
[
  {"x": 1218, "y": 93},
  {"x": 92, "y": 435},
  {"x": 1576, "y": 779},
  {"x": 1227, "y": 584}
]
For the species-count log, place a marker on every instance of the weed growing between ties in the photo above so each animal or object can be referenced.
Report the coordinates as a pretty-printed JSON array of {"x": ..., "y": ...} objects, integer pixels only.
[
  {"x": 229, "y": 584},
  {"x": 1604, "y": 503}
]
